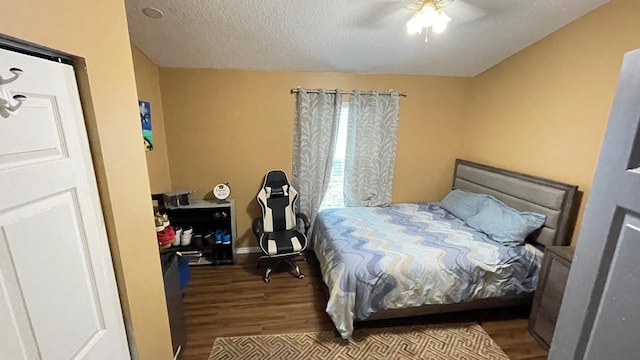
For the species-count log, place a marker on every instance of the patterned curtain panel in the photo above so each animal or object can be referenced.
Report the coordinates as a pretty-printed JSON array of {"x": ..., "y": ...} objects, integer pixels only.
[
  {"x": 371, "y": 148},
  {"x": 314, "y": 138}
]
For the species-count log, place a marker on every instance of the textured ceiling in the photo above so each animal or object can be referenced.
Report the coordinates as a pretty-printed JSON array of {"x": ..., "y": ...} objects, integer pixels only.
[{"x": 364, "y": 36}]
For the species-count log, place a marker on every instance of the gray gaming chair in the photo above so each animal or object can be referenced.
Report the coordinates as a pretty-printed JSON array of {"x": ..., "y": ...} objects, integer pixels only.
[{"x": 277, "y": 230}]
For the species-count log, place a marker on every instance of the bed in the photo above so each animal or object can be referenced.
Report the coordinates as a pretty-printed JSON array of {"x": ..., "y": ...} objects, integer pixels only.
[{"x": 417, "y": 258}]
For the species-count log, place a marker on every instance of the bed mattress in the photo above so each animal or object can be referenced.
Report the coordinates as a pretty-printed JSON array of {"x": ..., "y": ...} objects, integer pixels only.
[{"x": 408, "y": 255}]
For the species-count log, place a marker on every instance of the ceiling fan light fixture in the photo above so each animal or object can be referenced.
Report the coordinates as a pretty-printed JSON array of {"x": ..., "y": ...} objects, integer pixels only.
[
  {"x": 441, "y": 23},
  {"x": 429, "y": 15},
  {"x": 413, "y": 26},
  {"x": 439, "y": 28}
]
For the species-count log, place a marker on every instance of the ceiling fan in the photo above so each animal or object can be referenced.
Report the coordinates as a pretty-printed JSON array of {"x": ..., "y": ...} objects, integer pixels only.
[
  {"x": 423, "y": 15},
  {"x": 429, "y": 15}
]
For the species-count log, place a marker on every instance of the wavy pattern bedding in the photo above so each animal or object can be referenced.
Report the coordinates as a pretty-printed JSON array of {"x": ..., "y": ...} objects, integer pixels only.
[{"x": 408, "y": 255}]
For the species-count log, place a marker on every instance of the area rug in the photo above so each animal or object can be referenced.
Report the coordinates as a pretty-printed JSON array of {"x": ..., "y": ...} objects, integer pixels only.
[{"x": 455, "y": 342}]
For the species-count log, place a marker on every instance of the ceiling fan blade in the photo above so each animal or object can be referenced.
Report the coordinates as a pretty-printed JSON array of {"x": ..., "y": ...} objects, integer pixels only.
[
  {"x": 381, "y": 13},
  {"x": 462, "y": 12}
]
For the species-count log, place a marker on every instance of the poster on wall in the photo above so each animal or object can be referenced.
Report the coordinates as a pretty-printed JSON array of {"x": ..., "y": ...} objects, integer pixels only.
[{"x": 145, "y": 119}]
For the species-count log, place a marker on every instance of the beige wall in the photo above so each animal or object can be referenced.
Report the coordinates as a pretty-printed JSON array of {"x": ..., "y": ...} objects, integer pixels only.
[
  {"x": 97, "y": 31},
  {"x": 233, "y": 126},
  {"x": 148, "y": 84},
  {"x": 544, "y": 110}
]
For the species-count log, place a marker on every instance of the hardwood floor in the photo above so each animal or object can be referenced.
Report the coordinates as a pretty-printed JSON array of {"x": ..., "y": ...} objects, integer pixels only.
[{"x": 233, "y": 301}]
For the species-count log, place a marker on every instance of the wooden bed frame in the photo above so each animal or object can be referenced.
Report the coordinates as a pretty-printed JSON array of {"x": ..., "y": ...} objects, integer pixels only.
[{"x": 558, "y": 201}]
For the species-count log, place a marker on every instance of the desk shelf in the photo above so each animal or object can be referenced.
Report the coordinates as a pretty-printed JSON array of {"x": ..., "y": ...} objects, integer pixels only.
[{"x": 206, "y": 216}]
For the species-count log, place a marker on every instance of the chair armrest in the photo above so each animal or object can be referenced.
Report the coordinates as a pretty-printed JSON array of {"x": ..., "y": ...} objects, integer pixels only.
[
  {"x": 305, "y": 220},
  {"x": 257, "y": 228}
]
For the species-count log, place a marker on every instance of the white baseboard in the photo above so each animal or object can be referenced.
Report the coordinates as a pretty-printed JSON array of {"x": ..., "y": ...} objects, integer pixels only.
[{"x": 248, "y": 250}]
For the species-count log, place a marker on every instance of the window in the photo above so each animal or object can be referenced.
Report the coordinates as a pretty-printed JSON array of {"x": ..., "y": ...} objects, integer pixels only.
[{"x": 334, "y": 198}]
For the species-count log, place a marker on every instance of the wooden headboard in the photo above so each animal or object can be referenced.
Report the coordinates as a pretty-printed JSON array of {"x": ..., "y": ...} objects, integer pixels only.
[{"x": 525, "y": 193}]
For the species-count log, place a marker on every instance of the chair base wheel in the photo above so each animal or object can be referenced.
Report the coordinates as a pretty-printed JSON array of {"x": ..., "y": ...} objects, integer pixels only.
[{"x": 267, "y": 274}]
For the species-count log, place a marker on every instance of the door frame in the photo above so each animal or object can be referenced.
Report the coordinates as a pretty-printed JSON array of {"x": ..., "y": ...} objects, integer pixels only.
[
  {"x": 25, "y": 47},
  {"x": 80, "y": 69}
]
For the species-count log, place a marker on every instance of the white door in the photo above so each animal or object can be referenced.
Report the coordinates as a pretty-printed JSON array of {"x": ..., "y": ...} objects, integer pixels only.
[{"x": 58, "y": 295}]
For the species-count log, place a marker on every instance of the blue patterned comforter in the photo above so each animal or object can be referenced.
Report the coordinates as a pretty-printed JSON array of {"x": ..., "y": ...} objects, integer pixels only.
[{"x": 408, "y": 255}]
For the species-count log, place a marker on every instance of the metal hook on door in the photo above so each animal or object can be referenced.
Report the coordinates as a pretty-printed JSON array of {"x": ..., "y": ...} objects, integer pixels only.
[
  {"x": 6, "y": 107},
  {"x": 16, "y": 74}
]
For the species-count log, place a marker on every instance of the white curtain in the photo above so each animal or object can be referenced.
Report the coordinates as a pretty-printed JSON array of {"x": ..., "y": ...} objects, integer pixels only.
[
  {"x": 371, "y": 148},
  {"x": 314, "y": 138}
]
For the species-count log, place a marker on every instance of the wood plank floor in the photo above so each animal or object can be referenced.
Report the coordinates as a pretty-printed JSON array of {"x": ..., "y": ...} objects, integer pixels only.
[{"x": 233, "y": 301}]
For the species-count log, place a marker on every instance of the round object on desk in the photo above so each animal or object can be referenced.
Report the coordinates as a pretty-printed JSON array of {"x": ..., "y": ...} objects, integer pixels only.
[{"x": 222, "y": 191}]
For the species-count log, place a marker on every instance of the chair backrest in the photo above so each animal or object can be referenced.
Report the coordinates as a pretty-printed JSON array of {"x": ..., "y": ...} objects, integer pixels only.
[{"x": 277, "y": 198}]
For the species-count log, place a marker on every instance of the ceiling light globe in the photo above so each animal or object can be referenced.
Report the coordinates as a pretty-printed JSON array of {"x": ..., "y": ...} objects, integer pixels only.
[
  {"x": 413, "y": 26},
  {"x": 443, "y": 17},
  {"x": 441, "y": 23},
  {"x": 427, "y": 16},
  {"x": 439, "y": 27}
]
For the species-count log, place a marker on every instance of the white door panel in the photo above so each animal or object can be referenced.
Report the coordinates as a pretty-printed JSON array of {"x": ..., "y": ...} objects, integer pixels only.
[
  {"x": 58, "y": 296},
  {"x": 50, "y": 235},
  {"x": 18, "y": 341},
  {"x": 39, "y": 120},
  {"x": 21, "y": 188}
]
